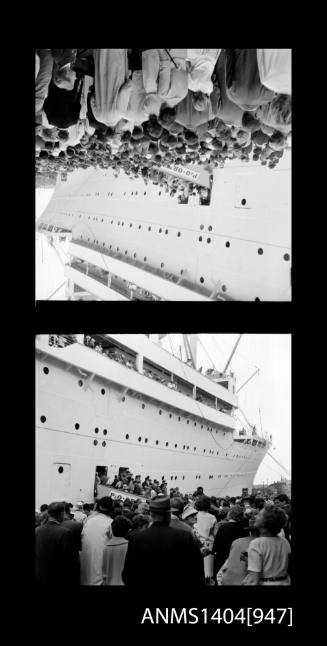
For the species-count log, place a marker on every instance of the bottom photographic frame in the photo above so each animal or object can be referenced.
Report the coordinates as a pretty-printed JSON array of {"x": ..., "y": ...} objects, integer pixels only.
[{"x": 133, "y": 435}]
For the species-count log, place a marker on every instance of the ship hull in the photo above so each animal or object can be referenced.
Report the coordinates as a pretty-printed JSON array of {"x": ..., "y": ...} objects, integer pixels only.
[{"x": 81, "y": 426}]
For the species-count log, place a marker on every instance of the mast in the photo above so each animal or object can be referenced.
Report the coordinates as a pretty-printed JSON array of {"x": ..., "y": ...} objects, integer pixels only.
[
  {"x": 232, "y": 353},
  {"x": 248, "y": 379},
  {"x": 190, "y": 356}
]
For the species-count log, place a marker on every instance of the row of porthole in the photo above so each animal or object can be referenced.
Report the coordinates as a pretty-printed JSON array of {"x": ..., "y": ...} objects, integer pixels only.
[
  {"x": 185, "y": 447},
  {"x": 96, "y": 430}
]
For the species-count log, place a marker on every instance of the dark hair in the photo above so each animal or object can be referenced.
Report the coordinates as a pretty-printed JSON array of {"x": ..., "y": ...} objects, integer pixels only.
[
  {"x": 56, "y": 509},
  {"x": 203, "y": 503},
  {"x": 236, "y": 513},
  {"x": 155, "y": 129},
  {"x": 167, "y": 115},
  {"x": 43, "y": 508},
  {"x": 140, "y": 520},
  {"x": 274, "y": 519},
  {"x": 259, "y": 503},
  {"x": 249, "y": 122},
  {"x": 120, "y": 526}
]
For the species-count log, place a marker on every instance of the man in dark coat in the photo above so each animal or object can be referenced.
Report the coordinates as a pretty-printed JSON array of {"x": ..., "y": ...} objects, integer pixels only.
[
  {"x": 76, "y": 530},
  {"x": 162, "y": 555},
  {"x": 243, "y": 81},
  {"x": 54, "y": 550},
  {"x": 227, "y": 533}
]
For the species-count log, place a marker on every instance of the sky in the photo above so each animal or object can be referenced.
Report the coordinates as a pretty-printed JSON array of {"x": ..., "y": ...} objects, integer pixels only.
[{"x": 269, "y": 391}]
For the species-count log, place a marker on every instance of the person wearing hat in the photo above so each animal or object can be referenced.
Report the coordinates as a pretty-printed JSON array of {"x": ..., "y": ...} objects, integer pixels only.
[
  {"x": 177, "y": 507},
  {"x": 54, "y": 550},
  {"x": 162, "y": 555},
  {"x": 95, "y": 532}
]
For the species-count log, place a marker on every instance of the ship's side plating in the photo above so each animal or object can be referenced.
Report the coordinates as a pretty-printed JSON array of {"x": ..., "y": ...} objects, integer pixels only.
[
  {"x": 238, "y": 247},
  {"x": 85, "y": 420}
]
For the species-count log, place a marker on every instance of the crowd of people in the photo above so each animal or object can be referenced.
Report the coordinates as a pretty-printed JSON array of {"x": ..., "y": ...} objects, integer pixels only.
[
  {"x": 168, "y": 540},
  {"x": 141, "y": 112}
]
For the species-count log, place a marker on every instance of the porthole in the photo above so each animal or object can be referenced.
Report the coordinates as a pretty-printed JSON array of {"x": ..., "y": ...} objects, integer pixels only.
[
  {"x": 117, "y": 248},
  {"x": 209, "y": 227},
  {"x": 194, "y": 448},
  {"x": 43, "y": 419},
  {"x": 166, "y": 231},
  {"x": 187, "y": 421},
  {"x": 77, "y": 426},
  {"x": 134, "y": 255},
  {"x": 179, "y": 419},
  {"x": 243, "y": 202},
  {"x": 183, "y": 446},
  {"x": 80, "y": 383},
  {"x": 260, "y": 251},
  {"x": 175, "y": 446},
  {"x": 143, "y": 405},
  {"x": 103, "y": 392},
  {"x": 178, "y": 234},
  {"x": 157, "y": 442},
  {"x": 95, "y": 442},
  {"x": 160, "y": 230},
  {"x": 162, "y": 265},
  {"x": 104, "y": 443},
  {"x": 123, "y": 399},
  {"x": 167, "y": 443},
  {"x": 181, "y": 272},
  {"x": 200, "y": 239},
  {"x": 118, "y": 222},
  {"x": 201, "y": 279},
  {"x": 204, "y": 450},
  {"x": 61, "y": 470},
  {"x": 183, "y": 478},
  {"x": 130, "y": 225},
  {"x": 111, "y": 222},
  {"x": 175, "y": 477},
  {"x": 286, "y": 256},
  {"x": 140, "y": 226},
  {"x": 96, "y": 430},
  {"x": 139, "y": 439},
  {"x": 208, "y": 240},
  {"x": 171, "y": 477},
  {"x": 201, "y": 425},
  {"x": 160, "y": 412},
  {"x": 224, "y": 288},
  {"x": 145, "y": 258},
  {"x": 194, "y": 423},
  {"x": 227, "y": 244},
  {"x": 149, "y": 228},
  {"x": 46, "y": 370},
  {"x": 127, "y": 436},
  {"x": 146, "y": 440},
  {"x": 201, "y": 227},
  {"x": 126, "y": 252},
  {"x": 257, "y": 298}
]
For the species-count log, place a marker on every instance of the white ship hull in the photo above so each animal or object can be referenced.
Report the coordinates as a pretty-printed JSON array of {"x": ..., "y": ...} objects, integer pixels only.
[
  {"x": 238, "y": 248},
  {"x": 83, "y": 424}
]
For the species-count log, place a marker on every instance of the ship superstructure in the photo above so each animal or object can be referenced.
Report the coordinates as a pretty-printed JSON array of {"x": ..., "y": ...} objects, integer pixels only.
[
  {"x": 107, "y": 401},
  {"x": 130, "y": 241}
]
